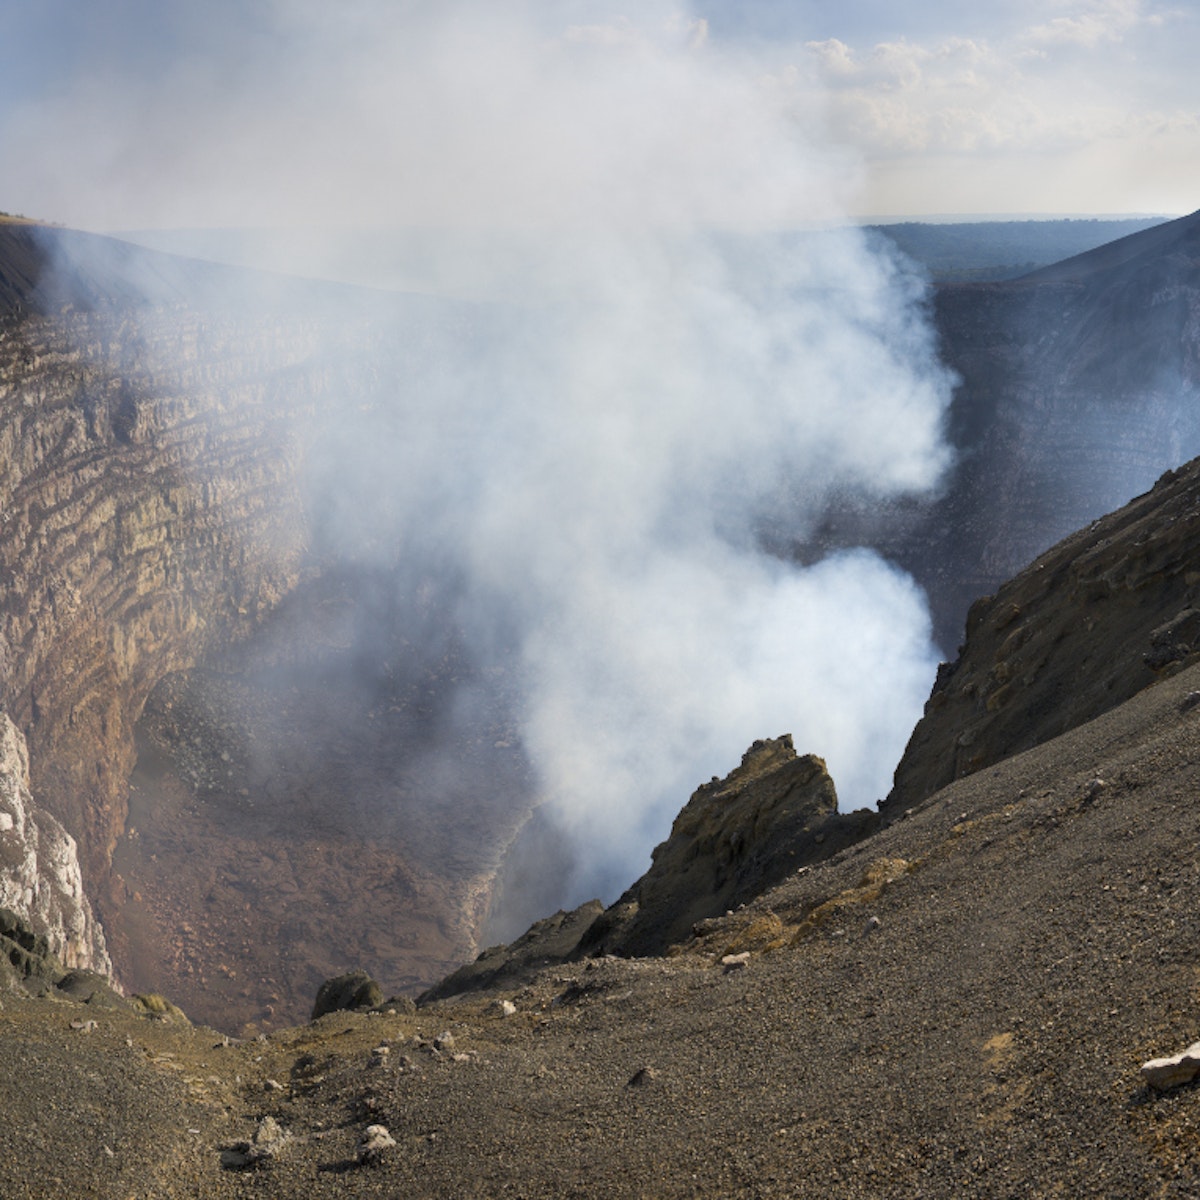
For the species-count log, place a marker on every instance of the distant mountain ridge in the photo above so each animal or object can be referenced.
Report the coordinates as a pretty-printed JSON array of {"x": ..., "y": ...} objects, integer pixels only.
[
  {"x": 995, "y": 250},
  {"x": 1181, "y": 236}
]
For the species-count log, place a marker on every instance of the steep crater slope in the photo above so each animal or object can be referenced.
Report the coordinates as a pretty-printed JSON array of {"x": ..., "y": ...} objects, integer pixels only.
[
  {"x": 1094, "y": 620},
  {"x": 157, "y": 468},
  {"x": 160, "y": 451},
  {"x": 291, "y": 813}
]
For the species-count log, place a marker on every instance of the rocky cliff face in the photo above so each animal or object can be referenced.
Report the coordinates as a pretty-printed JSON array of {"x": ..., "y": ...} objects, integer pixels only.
[
  {"x": 1094, "y": 620},
  {"x": 162, "y": 439},
  {"x": 150, "y": 514},
  {"x": 40, "y": 879}
]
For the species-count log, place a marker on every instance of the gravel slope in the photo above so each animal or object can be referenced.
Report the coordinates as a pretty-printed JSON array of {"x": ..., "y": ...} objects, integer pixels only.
[{"x": 1036, "y": 940}]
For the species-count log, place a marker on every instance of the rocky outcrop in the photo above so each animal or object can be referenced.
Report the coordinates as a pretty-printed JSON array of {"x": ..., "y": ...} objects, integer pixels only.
[
  {"x": 735, "y": 838},
  {"x": 1094, "y": 620},
  {"x": 30, "y": 966},
  {"x": 354, "y": 990},
  {"x": 552, "y": 939},
  {"x": 40, "y": 879}
]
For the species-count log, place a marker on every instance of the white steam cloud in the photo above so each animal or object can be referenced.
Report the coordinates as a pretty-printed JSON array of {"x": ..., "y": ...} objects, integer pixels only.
[
  {"x": 667, "y": 374},
  {"x": 664, "y": 408}
]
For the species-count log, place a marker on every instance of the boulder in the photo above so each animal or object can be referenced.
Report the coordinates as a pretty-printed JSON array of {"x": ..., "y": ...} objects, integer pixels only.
[
  {"x": 1181, "y": 1068},
  {"x": 376, "y": 1141},
  {"x": 89, "y": 987},
  {"x": 354, "y": 990}
]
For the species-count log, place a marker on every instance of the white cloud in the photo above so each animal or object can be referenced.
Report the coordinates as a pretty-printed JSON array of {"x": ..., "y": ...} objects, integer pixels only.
[
  {"x": 834, "y": 56},
  {"x": 1091, "y": 25},
  {"x": 1092, "y": 75}
]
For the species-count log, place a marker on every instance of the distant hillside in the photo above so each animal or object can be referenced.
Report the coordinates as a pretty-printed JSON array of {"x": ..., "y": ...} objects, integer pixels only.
[
  {"x": 1078, "y": 386},
  {"x": 990, "y": 250}
]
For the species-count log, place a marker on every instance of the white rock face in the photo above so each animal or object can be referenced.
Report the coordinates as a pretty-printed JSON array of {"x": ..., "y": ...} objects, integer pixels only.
[{"x": 40, "y": 878}]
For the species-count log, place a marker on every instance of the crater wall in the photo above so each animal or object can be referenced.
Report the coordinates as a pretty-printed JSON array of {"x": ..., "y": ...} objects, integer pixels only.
[{"x": 149, "y": 513}]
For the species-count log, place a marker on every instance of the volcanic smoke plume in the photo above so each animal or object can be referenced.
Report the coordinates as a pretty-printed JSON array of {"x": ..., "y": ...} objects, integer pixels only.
[{"x": 644, "y": 373}]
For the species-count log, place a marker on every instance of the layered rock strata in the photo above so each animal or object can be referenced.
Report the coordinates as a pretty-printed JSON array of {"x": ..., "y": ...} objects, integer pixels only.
[{"x": 148, "y": 493}]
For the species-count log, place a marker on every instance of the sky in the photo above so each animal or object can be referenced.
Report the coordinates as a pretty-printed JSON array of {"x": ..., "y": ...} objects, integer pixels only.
[{"x": 158, "y": 114}]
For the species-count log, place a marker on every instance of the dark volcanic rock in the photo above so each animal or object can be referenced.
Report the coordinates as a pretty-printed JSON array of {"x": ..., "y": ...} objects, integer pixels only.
[
  {"x": 1091, "y": 622},
  {"x": 27, "y": 958},
  {"x": 90, "y": 987},
  {"x": 354, "y": 990},
  {"x": 552, "y": 939}
]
